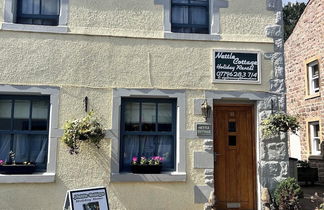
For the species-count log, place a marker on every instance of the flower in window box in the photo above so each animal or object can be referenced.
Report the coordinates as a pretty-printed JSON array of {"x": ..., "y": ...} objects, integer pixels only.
[
  {"x": 152, "y": 165},
  {"x": 17, "y": 167}
]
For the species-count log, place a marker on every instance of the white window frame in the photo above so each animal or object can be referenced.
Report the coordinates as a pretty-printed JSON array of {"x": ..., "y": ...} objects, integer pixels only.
[
  {"x": 314, "y": 140},
  {"x": 10, "y": 7},
  {"x": 214, "y": 22},
  {"x": 54, "y": 134},
  {"x": 311, "y": 78}
]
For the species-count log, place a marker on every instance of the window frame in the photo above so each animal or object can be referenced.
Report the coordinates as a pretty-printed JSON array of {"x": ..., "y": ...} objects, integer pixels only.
[
  {"x": 10, "y": 16},
  {"x": 311, "y": 78},
  {"x": 12, "y": 131},
  {"x": 313, "y": 139},
  {"x": 190, "y": 25},
  {"x": 179, "y": 175},
  {"x": 21, "y": 15},
  {"x": 54, "y": 133},
  {"x": 123, "y": 131}
]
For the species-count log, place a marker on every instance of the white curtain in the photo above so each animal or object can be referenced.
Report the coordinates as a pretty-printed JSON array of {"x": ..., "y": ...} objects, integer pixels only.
[
  {"x": 32, "y": 148},
  {"x": 148, "y": 146}
]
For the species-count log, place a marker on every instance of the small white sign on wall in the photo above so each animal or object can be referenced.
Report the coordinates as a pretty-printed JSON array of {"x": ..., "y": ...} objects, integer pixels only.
[{"x": 86, "y": 199}]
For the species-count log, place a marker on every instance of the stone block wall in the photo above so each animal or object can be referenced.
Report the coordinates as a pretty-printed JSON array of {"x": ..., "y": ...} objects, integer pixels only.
[{"x": 305, "y": 43}]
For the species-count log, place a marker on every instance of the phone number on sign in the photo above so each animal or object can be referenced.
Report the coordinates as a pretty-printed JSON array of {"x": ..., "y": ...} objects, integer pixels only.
[{"x": 221, "y": 74}]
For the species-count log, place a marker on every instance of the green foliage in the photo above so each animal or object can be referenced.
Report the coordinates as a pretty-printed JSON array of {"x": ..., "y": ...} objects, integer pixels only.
[
  {"x": 279, "y": 122},
  {"x": 291, "y": 14},
  {"x": 86, "y": 129},
  {"x": 319, "y": 200},
  {"x": 287, "y": 194}
]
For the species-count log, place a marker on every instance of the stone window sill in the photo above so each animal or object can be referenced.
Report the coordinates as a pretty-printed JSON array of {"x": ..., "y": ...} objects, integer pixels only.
[
  {"x": 316, "y": 157},
  {"x": 190, "y": 36},
  {"x": 34, "y": 28},
  {"x": 313, "y": 96},
  {"x": 164, "y": 177},
  {"x": 30, "y": 178}
]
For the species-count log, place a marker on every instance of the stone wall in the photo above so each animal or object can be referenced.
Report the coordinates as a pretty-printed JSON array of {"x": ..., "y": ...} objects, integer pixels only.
[{"x": 305, "y": 43}]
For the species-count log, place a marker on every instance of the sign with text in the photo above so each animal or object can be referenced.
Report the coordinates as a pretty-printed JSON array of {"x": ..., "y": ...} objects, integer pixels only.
[
  {"x": 236, "y": 66},
  {"x": 87, "y": 199},
  {"x": 204, "y": 129}
]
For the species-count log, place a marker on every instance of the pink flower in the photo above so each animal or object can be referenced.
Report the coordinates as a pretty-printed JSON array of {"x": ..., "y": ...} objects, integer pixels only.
[
  {"x": 1, "y": 162},
  {"x": 134, "y": 159}
]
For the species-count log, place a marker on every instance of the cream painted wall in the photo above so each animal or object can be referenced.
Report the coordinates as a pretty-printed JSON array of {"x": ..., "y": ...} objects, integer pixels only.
[
  {"x": 84, "y": 64},
  {"x": 108, "y": 62},
  {"x": 119, "y": 18}
]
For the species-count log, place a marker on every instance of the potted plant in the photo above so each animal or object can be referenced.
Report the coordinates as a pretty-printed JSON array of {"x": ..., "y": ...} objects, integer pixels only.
[
  {"x": 87, "y": 129},
  {"x": 279, "y": 122},
  {"x": 143, "y": 165},
  {"x": 17, "y": 168}
]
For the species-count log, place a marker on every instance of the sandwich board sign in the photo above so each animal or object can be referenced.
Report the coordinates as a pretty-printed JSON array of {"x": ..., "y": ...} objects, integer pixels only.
[{"x": 86, "y": 199}]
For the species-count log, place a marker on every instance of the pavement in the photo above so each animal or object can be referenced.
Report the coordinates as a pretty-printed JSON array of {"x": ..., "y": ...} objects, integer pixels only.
[{"x": 309, "y": 191}]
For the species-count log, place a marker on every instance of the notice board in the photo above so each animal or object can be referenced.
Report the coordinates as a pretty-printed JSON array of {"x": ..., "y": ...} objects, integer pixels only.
[{"x": 86, "y": 199}]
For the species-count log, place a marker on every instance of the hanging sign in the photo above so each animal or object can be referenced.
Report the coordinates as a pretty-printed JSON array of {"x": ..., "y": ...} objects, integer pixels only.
[
  {"x": 86, "y": 199},
  {"x": 236, "y": 67}
]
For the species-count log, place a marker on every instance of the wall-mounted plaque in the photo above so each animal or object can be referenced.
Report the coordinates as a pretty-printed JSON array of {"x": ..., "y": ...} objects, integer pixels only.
[
  {"x": 236, "y": 67},
  {"x": 204, "y": 129}
]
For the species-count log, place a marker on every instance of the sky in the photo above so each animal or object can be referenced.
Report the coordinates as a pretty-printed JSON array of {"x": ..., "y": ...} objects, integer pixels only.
[{"x": 293, "y": 1}]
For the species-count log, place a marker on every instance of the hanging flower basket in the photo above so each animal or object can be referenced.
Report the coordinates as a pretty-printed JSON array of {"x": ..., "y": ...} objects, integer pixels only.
[
  {"x": 279, "y": 122},
  {"x": 87, "y": 129}
]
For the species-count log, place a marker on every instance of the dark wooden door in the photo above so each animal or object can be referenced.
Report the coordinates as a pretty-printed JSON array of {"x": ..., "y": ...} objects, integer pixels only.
[{"x": 234, "y": 147}]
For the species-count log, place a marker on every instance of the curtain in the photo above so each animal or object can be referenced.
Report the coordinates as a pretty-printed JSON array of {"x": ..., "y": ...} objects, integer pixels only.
[
  {"x": 48, "y": 7},
  {"x": 31, "y": 148},
  {"x": 148, "y": 146},
  {"x": 4, "y": 146}
]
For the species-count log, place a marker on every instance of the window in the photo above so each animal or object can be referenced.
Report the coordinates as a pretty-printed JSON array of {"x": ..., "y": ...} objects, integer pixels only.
[
  {"x": 24, "y": 129},
  {"x": 314, "y": 133},
  {"x": 190, "y": 16},
  {"x": 313, "y": 77},
  {"x": 148, "y": 128},
  {"x": 38, "y": 12}
]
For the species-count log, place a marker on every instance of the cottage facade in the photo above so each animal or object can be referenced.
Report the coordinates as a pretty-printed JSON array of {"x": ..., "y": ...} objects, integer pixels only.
[
  {"x": 304, "y": 77},
  {"x": 146, "y": 68}
]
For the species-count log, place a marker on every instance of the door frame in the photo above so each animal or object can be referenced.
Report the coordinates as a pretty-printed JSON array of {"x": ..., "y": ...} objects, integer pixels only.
[{"x": 252, "y": 105}]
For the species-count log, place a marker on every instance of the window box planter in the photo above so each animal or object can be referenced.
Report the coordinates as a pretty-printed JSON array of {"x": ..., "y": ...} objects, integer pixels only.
[
  {"x": 146, "y": 169},
  {"x": 18, "y": 168}
]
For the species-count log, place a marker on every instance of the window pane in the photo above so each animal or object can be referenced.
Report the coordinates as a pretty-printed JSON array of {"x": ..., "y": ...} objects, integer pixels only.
[
  {"x": 5, "y": 114},
  {"x": 21, "y": 114},
  {"x": 316, "y": 130},
  {"x": 180, "y": 1},
  {"x": 165, "y": 117},
  {"x": 38, "y": 150},
  {"x": 4, "y": 146},
  {"x": 180, "y": 15},
  {"x": 132, "y": 113},
  {"x": 202, "y": 2},
  {"x": 50, "y": 7},
  {"x": 148, "y": 146},
  {"x": 199, "y": 15},
  {"x": 148, "y": 116},
  {"x": 316, "y": 84},
  {"x": 315, "y": 71},
  {"x": 30, "y": 7},
  {"x": 39, "y": 115}
]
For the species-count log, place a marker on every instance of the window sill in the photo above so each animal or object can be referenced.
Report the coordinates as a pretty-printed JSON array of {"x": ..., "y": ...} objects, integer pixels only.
[
  {"x": 316, "y": 157},
  {"x": 164, "y": 177},
  {"x": 34, "y": 28},
  {"x": 191, "y": 36},
  {"x": 27, "y": 178},
  {"x": 313, "y": 96}
]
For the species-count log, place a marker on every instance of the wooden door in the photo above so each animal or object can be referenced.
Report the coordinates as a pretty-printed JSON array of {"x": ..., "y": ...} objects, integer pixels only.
[{"x": 234, "y": 147}]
